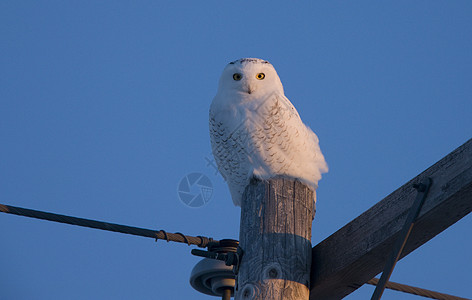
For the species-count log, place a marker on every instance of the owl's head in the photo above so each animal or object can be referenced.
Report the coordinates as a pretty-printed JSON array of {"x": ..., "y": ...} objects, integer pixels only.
[{"x": 249, "y": 77}]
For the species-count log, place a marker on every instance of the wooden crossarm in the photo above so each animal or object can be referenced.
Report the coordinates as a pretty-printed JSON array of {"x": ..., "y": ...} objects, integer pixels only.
[{"x": 358, "y": 251}]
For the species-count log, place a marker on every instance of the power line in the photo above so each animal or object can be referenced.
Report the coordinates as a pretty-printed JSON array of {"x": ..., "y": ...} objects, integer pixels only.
[
  {"x": 178, "y": 237},
  {"x": 416, "y": 291}
]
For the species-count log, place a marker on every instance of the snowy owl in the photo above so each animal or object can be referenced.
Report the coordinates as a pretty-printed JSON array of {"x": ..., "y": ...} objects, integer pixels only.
[{"x": 255, "y": 131}]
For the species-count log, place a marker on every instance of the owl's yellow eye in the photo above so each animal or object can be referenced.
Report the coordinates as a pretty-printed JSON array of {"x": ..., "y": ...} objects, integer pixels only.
[
  {"x": 237, "y": 76},
  {"x": 260, "y": 76}
]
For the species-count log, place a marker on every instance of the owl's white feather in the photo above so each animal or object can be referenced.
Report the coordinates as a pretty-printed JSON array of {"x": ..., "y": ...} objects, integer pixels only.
[{"x": 256, "y": 131}]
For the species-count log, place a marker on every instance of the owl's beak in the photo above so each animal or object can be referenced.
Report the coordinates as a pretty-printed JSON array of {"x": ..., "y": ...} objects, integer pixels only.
[{"x": 250, "y": 89}]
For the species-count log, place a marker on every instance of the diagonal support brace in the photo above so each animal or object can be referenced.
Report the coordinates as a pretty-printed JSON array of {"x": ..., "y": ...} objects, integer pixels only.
[{"x": 415, "y": 209}]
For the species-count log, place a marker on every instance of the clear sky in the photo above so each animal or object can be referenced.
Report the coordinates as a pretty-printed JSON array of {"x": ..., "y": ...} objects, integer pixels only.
[{"x": 104, "y": 109}]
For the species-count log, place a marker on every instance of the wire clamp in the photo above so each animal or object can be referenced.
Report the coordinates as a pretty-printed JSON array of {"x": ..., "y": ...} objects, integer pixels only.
[{"x": 225, "y": 250}]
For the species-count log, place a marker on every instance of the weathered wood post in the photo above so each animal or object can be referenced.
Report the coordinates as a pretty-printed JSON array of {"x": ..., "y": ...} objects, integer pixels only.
[{"x": 275, "y": 236}]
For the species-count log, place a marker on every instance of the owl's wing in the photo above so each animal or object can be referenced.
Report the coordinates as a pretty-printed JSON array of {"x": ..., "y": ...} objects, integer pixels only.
[
  {"x": 283, "y": 145},
  {"x": 229, "y": 151}
]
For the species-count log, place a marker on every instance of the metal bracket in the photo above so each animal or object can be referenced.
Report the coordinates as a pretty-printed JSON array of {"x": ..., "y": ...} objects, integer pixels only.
[{"x": 415, "y": 209}]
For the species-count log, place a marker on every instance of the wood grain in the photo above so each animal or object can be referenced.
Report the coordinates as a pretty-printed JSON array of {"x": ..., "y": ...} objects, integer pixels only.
[{"x": 275, "y": 235}]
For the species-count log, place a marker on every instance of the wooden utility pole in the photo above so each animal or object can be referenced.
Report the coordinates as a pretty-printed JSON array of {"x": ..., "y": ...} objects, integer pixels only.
[{"x": 275, "y": 236}]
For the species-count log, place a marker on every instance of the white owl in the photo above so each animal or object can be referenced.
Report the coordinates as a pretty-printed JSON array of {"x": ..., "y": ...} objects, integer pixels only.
[{"x": 256, "y": 131}]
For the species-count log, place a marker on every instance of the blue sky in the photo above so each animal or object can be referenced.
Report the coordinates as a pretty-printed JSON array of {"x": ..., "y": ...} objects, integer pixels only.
[{"x": 104, "y": 109}]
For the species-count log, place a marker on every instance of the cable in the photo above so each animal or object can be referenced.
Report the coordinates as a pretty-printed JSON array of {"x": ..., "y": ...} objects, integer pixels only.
[
  {"x": 200, "y": 241},
  {"x": 416, "y": 291}
]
